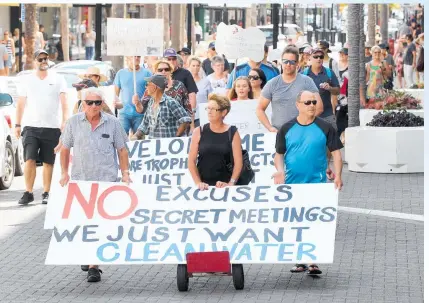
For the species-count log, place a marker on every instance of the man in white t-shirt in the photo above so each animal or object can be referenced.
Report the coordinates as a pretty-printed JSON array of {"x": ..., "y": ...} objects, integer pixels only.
[{"x": 39, "y": 96}]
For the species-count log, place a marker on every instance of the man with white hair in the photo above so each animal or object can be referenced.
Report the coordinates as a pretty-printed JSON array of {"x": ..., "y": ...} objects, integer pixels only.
[{"x": 97, "y": 139}]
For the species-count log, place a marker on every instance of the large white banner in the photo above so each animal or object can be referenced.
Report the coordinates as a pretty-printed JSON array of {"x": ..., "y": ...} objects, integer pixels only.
[
  {"x": 135, "y": 37},
  {"x": 242, "y": 116},
  {"x": 235, "y": 42},
  {"x": 109, "y": 223}
]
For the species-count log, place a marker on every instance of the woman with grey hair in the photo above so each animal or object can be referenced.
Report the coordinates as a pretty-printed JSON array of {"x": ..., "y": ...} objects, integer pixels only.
[
  {"x": 376, "y": 74},
  {"x": 218, "y": 79}
]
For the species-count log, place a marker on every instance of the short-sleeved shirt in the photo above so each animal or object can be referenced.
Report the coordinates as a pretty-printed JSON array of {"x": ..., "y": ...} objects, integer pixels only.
[
  {"x": 244, "y": 70},
  {"x": 165, "y": 122},
  {"x": 304, "y": 150},
  {"x": 408, "y": 58},
  {"x": 204, "y": 89},
  {"x": 283, "y": 97},
  {"x": 207, "y": 66},
  {"x": 125, "y": 81},
  {"x": 3, "y": 51},
  {"x": 324, "y": 94},
  {"x": 185, "y": 76},
  {"x": 42, "y": 106},
  {"x": 94, "y": 151}
]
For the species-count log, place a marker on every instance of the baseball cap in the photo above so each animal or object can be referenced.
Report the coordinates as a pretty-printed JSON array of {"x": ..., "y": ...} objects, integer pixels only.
[
  {"x": 308, "y": 50},
  {"x": 317, "y": 50},
  {"x": 85, "y": 83},
  {"x": 345, "y": 51},
  {"x": 212, "y": 45},
  {"x": 39, "y": 52},
  {"x": 383, "y": 46},
  {"x": 158, "y": 80},
  {"x": 185, "y": 50},
  {"x": 324, "y": 45},
  {"x": 170, "y": 52}
]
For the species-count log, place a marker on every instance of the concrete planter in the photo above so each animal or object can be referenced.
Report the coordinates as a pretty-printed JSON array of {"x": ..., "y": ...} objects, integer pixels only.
[
  {"x": 366, "y": 115},
  {"x": 385, "y": 149}
]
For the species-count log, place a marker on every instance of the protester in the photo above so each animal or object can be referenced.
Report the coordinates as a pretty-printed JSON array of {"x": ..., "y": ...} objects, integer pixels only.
[
  {"x": 16, "y": 37},
  {"x": 97, "y": 140},
  {"x": 265, "y": 60},
  {"x": 184, "y": 53},
  {"x": 93, "y": 73},
  {"x": 328, "y": 84},
  {"x": 87, "y": 83},
  {"x": 368, "y": 56},
  {"x": 281, "y": 92},
  {"x": 184, "y": 76},
  {"x": 10, "y": 47},
  {"x": 399, "y": 63},
  {"x": 304, "y": 59},
  {"x": 124, "y": 88},
  {"x": 328, "y": 61},
  {"x": 420, "y": 58},
  {"x": 211, "y": 144},
  {"x": 390, "y": 62},
  {"x": 341, "y": 112},
  {"x": 40, "y": 94},
  {"x": 203, "y": 85},
  {"x": 410, "y": 61},
  {"x": 241, "y": 90},
  {"x": 301, "y": 148},
  {"x": 257, "y": 81},
  {"x": 218, "y": 79},
  {"x": 376, "y": 73},
  {"x": 164, "y": 117},
  {"x": 207, "y": 63}
]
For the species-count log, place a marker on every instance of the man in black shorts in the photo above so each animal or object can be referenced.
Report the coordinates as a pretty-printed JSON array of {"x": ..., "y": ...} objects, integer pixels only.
[{"x": 40, "y": 95}]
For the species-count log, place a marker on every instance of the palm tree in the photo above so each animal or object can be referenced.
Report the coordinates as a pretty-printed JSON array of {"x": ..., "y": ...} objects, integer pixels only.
[
  {"x": 371, "y": 23},
  {"x": 384, "y": 22},
  {"x": 166, "y": 16},
  {"x": 30, "y": 34},
  {"x": 362, "y": 70},
  {"x": 354, "y": 38},
  {"x": 176, "y": 26}
]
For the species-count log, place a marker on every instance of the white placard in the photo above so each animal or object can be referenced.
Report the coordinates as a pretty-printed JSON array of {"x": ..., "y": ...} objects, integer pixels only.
[
  {"x": 242, "y": 116},
  {"x": 109, "y": 223},
  {"x": 135, "y": 37},
  {"x": 235, "y": 42}
]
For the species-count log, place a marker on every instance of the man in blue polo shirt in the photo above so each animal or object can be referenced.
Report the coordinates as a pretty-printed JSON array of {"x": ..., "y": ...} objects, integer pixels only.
[
  {"x": 301, "y": 147},
  {"x": 244, "y": 69}
]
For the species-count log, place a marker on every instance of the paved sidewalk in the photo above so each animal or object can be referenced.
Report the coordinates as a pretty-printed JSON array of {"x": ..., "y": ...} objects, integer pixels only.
[{"x": 376, "y": 260}]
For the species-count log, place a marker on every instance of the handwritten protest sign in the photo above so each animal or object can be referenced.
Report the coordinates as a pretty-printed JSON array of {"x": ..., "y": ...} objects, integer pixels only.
[
  {"x": 235, "y": 42},
  {"x": 242, "y": 116},
  {"x": 135, "y": 37},
  {"x": 160, "y": 224}
]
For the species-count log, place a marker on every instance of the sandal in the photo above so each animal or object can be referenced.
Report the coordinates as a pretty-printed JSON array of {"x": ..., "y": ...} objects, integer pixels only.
[
  {"x": 299, "y": 268},
  {"x": 313, "y": 270}
]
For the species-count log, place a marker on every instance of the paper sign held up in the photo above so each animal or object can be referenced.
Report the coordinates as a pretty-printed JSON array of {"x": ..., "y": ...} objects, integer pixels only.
[{"x": 135, "y": 37}]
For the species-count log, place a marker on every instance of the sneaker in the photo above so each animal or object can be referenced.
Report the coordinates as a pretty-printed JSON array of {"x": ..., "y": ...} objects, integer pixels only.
[
  {"x": 27, "y": 197},
  {"x": 94, "y": 275},
  {"x": 45, "y": 197},
  {"x": 84, "y": 267}
]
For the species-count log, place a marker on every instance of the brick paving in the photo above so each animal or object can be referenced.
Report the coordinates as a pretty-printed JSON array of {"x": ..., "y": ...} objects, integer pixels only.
[{"x": 376, "y": 260}]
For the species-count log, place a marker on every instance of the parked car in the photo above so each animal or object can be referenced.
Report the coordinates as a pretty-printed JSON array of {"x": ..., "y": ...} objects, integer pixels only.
[
  {"x": 105, "y": 67},
  {"x": 7, "y": 157}
]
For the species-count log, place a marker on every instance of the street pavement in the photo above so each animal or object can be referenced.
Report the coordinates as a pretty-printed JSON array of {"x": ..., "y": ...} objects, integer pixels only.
[{"x": 377, "y": 258}]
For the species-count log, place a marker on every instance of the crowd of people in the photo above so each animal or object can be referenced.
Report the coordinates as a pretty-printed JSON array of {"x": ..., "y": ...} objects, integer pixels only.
[{"x": 305, "y": 88}]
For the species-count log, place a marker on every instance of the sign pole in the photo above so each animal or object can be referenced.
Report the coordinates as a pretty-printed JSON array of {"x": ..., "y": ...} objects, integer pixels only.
[{"x": 134, "y": 74}]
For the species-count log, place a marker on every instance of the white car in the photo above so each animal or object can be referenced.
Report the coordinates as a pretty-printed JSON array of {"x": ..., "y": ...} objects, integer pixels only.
[{"x": 7, "y": 155}]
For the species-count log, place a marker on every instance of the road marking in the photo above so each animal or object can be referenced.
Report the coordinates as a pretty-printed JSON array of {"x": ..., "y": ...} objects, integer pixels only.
[{"x": 382, "y": 213}]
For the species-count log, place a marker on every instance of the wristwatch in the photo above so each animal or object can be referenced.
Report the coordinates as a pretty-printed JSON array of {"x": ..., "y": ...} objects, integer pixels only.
[
  {"x": 233, "y": 181},
  {"x": 194, "y": 110},
  {"x": 17, "y": 125}
]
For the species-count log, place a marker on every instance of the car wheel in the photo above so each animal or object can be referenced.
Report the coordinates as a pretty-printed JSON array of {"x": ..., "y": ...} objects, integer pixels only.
[
  {"x": 6, "y": 180},
  {"x": 19, "y": 160}
]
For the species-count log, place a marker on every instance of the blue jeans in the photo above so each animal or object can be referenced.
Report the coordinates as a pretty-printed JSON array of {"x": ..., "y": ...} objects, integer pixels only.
[
  {"x": 130, "y": 122},
  {"x": 89, "y": 52}
]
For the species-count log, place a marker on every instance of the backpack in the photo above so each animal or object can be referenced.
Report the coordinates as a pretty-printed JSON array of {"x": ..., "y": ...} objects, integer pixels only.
[{"x": 328, "y": 72}]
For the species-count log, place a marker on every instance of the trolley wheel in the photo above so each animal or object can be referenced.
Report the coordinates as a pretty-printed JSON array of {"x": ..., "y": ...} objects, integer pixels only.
[
  {"x": 182, "y": 277},
  {"x": 238, "y": 276}
]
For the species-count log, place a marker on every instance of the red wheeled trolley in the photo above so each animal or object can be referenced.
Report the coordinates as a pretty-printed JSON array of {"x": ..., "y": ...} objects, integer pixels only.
[{"x": 209, "y": 263}]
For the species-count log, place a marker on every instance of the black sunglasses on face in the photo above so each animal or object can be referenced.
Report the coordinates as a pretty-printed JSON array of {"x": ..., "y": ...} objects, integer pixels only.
[
  {"x": 308, "y": 102},
  {"x": 40, "y": 60},
  {"x": 319, "y": 57},
  {"x": 254, "y": 77},
  {"x": 160, "y": 70},
  {"x": 291, "y": 62},
  {"x": 91, "y": 102}
]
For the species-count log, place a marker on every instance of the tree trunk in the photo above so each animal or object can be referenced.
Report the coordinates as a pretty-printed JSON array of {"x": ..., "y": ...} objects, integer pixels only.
[
  {"x": 354, "y": 33},
  {"x": 166, "y": 16},
  {"x": 194, "y": 38},
  {"x": 384, "y": 23},
  {"x": 149, "y": 11},
  {"x": 30, "y": 35},
  {"x": 371, "y": 23},
  {"x": 65, "y": 35},
  {"x": 175, "y": 26},
  {"x": 362, "y": 70},
  {"x": 183, "y": 29}
]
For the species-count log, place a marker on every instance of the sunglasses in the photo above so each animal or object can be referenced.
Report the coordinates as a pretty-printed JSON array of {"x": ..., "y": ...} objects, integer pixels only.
[
  {"x": 254, "y": 77},
  {"x": 172, "y": 58},
  {"x": 40, "y": 60},
  {"x": 160, "y": 70},
  {"x": 91, "y": 102},
  {"x": 291, "y": 62},
  {"x": 319, "y": 57},
  {"x": 308, "y": 102}
]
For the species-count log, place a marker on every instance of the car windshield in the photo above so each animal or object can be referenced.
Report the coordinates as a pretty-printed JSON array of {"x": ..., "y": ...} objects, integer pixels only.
[
  {"x": 268, "y": 32},
  {"x": 102, "y": 67}
]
